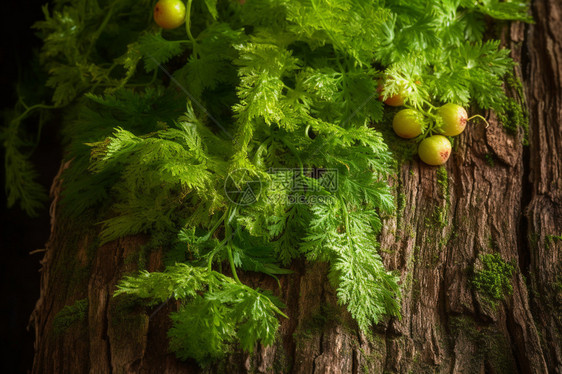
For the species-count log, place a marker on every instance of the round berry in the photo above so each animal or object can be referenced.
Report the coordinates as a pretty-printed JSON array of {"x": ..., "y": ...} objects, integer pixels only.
[
  {"x": 454, "y": 119},
  {"x": 169, "y": 14},
  {"x": 435, "y": 150},
  {"x": 407, "y": 123}
]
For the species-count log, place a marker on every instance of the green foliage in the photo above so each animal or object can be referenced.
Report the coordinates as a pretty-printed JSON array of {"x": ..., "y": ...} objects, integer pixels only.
[
  {"x": 21, "y": 184},
  {"x": 205, "y": 325},
  {"x": 171, "y": 162},
  {"x": 69, "y": 315},
  {"x": 281, "y": 96},
  {"x": 156, "y": 50},
  {"x": 493, "y": 281}
]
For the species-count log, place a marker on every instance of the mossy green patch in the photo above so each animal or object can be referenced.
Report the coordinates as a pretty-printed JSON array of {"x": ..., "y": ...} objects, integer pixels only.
[
  {"x": 69, "y": 315},
  {"x": 513, "y": 114},
  {"x": 490, "y": 159},
  {"x": 281, "y": 364},
  {"x": 493, "y": 281},
  {"x": 400, "y": 206},
  {"x": 443, "y": 181},
  {"x": 551, "y": 240},
  {"x": 491, "y": 346},
  {"x": 452, "y": 234},
  {"x": 372, "y": 359},
  {"x": 438, "y": 218}
]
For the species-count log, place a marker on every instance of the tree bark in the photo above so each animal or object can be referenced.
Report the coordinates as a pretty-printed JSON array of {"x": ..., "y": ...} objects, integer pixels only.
[{"x": 501, "y": 197}]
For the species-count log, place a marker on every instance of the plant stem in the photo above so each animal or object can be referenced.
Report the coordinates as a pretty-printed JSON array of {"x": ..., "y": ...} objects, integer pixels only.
[
  {"x": 210, "y": 261},
  {"x": 216, "y": 226},
  {"x": 479, "y": 116},
  {"x": 32, "y": 108},
  {"x": 227, "y": 235},
  {"x": 211, "y": 232},
  {"x": 100, "y": 29},
  {"x": 346, "y": 218},
  {"x": 232, "y": 267},
  {"x": 188, "y": 26},
  {"x": 294, "y": 152}
]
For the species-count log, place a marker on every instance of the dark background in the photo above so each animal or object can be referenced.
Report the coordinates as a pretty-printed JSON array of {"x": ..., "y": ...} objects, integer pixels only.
[{"x": 20, "y": 234}]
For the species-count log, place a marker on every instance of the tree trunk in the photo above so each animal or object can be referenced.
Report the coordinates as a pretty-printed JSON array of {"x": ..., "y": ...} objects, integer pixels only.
[{"x": 501, "y": 197}]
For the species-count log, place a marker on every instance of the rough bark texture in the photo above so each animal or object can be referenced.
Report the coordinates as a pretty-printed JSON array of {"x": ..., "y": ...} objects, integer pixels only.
[
  {"x": 500, "y": 197},
  {"x": 544, "y": 212}
]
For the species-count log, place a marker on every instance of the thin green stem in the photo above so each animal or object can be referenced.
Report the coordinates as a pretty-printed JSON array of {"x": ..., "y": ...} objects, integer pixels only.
[
  {"x": 109, "y": 70},
  {"x": 20, "y": 100},
  {"x": 229, "y": 252},
  {"x": 428, "y": 104},
  {"x": 216, "y": 226},
  {"x": 479, "y": 116},
  {"x": 32, "y": 108},
  {"x": 294, "y": 152},
  {"x": 100, "y": 29},
  {"x": 232, "y": 266},
  {"x": 210, "y": 261},
  {"x": 263, "y": 146},
  {"x": 227, "y": 235},
  {"x": 188, "y": 26},
  {"x": 346, "y": 218},
  {"x": 37, "y": 138},
  {"x": 211, "y": 232}
]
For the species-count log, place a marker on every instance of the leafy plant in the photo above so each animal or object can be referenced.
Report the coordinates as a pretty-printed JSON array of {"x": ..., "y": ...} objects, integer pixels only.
[{"x": 251, "y": 137}]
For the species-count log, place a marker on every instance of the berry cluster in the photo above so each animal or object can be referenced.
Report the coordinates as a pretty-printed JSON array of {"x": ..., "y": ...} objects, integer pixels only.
[{"x": 430, "y": 128}]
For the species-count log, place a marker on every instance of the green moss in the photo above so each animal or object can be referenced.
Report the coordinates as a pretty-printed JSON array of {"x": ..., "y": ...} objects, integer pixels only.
[
  {"x": 69, "y": 315},
  {"x": 373, "y": 359},
  {"x": 438, "y": 218},
  {"x": 493, "y": 281},
  {"x": 448, "y": 237},
  {"x": 491, "y": 243},
  {"x": 513, "y": 115},
  {"x": 370, "y": 359},
  {"x": 389, "y": 251},
  {"x": 491, "y": 346},
  {"x": 281, "y": 364},
  {"x": 490, "y": 160},
  {"x": 400, "y": 206},
  {"x": 443, "y": 181},
  {"x": 552, "y": 239}
]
